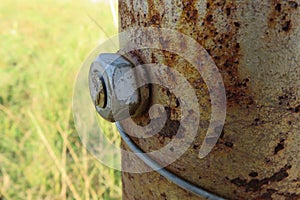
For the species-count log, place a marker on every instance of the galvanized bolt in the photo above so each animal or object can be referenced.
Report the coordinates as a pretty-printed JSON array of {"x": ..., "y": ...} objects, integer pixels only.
[{"x": 113, "y": 88}]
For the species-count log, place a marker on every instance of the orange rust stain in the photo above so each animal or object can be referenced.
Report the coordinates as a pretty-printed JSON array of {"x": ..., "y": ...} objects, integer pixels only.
[
  {"x": 189, "y": 12},
  {"x": 280, "y": 15},
  {"x": 225, "y": 50},
  {"x": 132, "y": 17},
  {"x": 126, "y": 11},
  {"x": 154, "y": 17},
  {"x": 222, "y": 45}
]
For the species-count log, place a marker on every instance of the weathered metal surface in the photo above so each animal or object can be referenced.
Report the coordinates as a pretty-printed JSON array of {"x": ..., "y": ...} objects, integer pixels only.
[{"x": 255, "y": 45}]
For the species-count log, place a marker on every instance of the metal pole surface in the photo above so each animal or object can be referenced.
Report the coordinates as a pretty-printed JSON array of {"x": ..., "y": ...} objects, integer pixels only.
[{"x": 256, "y": 47}]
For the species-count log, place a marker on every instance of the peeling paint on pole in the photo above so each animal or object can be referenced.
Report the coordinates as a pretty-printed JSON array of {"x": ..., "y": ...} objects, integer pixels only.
[{"x": 255, "y": 45}]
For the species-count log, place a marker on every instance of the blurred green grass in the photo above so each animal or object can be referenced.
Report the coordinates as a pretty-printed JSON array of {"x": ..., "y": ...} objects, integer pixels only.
[{"x": 43, "y": 44}]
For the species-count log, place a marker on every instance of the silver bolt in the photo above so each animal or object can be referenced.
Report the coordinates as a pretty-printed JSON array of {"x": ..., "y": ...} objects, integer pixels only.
[{"x": 113, "y": 88}]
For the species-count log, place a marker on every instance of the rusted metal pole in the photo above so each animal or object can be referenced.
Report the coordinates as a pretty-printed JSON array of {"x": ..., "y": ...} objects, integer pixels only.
[{"x": 255, "y": 45}]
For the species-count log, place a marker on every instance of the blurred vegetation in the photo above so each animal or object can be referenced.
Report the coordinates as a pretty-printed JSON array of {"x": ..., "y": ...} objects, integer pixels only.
[{"x": 43, "y": 44}]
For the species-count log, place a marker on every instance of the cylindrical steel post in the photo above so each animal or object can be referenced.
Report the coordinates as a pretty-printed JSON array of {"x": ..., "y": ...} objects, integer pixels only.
[{"x": 255, "y": 45}]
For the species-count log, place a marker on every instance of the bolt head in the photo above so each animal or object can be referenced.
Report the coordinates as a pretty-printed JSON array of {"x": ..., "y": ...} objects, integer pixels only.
[{"x": 113, "y": 88}]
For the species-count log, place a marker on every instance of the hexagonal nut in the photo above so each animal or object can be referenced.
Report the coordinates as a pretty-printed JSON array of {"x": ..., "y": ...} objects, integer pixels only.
[{"x": 113, "y": 87}]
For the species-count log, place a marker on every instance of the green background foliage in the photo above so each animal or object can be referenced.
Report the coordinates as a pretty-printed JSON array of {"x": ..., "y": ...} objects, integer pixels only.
[{"x": 43, "y": 44}]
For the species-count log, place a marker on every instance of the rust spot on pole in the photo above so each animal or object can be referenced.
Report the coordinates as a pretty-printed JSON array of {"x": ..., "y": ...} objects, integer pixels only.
[{"x": 280, "y": 15}]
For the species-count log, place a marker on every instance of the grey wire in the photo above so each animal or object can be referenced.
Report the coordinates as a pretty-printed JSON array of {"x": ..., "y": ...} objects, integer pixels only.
[{"x": 164, "y": 172}]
